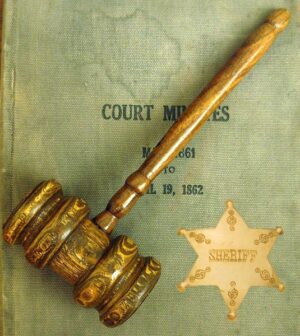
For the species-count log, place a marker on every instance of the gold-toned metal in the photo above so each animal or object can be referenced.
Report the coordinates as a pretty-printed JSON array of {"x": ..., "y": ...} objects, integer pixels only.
[
  {"x": 56, "y": 231},
  {"x": 235, "y": 259},
  {"x": 138, "y": 292},
  {"x": 108, "y": 276}
]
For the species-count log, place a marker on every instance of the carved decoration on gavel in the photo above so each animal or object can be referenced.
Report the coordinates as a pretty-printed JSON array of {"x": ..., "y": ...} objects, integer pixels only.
[{"x": 55, "y": 230}]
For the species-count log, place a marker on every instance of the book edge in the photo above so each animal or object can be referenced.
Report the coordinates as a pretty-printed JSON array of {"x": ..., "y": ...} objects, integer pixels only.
[{"x": 8, "y": 13}]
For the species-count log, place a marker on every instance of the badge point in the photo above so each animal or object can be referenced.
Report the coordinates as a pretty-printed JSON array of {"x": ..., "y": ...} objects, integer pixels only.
[
  {"x": 231, "y": 316},
  {"x": 181, "y": 287},
  {"x": 181, "y": 232},
  {"x": 281, "y": 287}
]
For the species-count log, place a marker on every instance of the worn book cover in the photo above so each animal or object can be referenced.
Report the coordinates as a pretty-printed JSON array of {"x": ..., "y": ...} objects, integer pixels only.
[{"x": 88, "y": 88}]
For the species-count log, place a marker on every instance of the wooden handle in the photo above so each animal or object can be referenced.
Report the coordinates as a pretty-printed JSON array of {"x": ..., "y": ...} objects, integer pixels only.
[{"x": 193, "y": 118}]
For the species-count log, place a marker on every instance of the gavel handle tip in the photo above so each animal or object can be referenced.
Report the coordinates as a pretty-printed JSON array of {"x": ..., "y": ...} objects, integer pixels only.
[{"x": 279, "y": 18}]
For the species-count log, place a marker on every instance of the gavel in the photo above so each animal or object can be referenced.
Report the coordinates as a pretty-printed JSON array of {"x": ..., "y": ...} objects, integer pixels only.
[{"x": 55, "y": 230}]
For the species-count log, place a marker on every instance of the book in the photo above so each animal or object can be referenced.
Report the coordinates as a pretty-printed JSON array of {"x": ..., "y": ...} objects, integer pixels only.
[{"x": 88, "y": 88}]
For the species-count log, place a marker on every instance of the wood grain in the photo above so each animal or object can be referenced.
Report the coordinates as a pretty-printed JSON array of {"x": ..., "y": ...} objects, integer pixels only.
[{"x": 191, "y": 121}]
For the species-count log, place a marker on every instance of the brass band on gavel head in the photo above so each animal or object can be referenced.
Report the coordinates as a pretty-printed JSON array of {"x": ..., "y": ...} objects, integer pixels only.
[{"x": 54, "y": 230}]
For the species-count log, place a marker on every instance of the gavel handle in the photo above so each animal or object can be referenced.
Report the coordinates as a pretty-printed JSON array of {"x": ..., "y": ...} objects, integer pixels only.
[{"x": 190, "y": 122}]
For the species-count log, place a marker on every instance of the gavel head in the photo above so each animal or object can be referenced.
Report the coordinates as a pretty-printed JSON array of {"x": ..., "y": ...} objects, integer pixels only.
[{"x": 109, "y": 276}]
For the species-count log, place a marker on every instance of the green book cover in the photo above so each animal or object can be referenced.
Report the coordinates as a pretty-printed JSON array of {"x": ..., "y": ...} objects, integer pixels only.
[{"x": 88, "y": 88}]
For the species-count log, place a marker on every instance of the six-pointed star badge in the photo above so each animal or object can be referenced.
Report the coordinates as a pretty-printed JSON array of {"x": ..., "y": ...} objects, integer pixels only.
[{"x": 233, "y": 257}]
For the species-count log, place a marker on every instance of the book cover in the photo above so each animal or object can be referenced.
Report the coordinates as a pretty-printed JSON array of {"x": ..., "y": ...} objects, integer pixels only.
[{"x": 88, "y": 88}]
